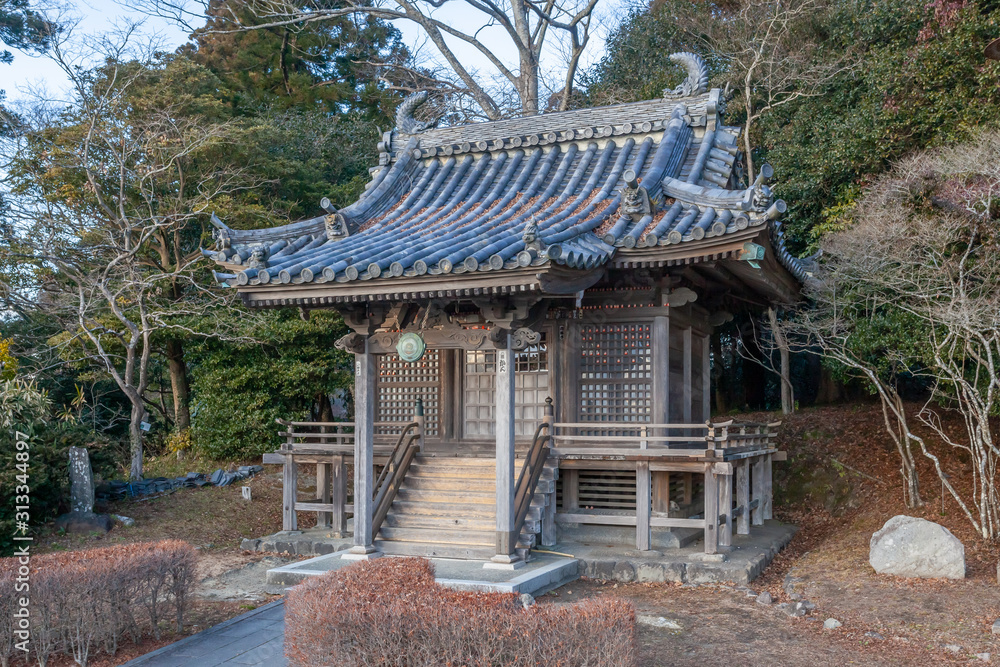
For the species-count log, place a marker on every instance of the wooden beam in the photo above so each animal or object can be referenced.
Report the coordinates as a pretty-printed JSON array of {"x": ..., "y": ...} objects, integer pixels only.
[
  {"x": 688, "y": 363},
  {"x": 768, "y": 496},
  {"x": 570, "y": 488},
  {"x": 364, "y": 441},
  {"x": 338, "y": 495},
  {"x": 757, "y": 480},
  {"x": 725, "y": 510},
  {"x": 711, "y": 512},
  {"x": 643, "y": 505},
  {"x": 323, "y": 519},
  {"x": 289, "y": 488},
  {"x": 743, "y": 496},
  {"x": 506, "y": 538},
  {"x": 706, "y": 379}
]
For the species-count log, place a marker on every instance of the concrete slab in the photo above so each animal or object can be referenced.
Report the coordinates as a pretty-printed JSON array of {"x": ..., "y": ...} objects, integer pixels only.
[
  {"x": 541, "y": 574},
  {"x": 740, "y": 564},
  {"x": 254, "y": 638}
]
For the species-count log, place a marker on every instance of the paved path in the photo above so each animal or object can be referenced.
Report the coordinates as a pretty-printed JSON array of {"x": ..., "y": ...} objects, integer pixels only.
[{"x": 254, "y": 638}]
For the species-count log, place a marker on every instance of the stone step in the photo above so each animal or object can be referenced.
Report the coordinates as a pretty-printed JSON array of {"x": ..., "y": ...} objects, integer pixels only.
[
  {"x": 435, "y": 550},
  {"x": 464, "y": 537}
]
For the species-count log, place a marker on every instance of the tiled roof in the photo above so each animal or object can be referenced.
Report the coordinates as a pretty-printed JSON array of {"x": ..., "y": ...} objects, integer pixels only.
[{"x": 547, "y": 189}]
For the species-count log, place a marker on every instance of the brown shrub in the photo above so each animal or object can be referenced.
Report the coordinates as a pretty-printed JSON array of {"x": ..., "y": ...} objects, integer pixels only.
[
  {"x": 85, "y": 601},
  {"x": 390, "y": 611}
]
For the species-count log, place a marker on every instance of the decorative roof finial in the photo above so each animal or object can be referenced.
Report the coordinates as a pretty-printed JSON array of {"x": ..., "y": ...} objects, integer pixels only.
[
  {"x": 405, "y": 122},
  {"x": 696, "y": 82}
]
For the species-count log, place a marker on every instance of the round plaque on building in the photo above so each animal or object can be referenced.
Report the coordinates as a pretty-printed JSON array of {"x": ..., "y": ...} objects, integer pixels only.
[{"x": 410, "y": 347}]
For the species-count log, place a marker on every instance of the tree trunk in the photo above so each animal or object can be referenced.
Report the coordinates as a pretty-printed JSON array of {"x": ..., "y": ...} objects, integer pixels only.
[
  {"x": 135, "y": 440},
  {"x": 787, "y": 395},
  {"x": 179, "y": 384},
  {"x": 829, "y": 388}
]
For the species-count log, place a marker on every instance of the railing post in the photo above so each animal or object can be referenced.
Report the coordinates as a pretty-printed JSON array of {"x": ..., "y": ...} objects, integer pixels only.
[
  {"x": 711, "y": 510},
  {"x": 289, "y": 483},
  {"x": 726, "y": 510},
  {"x": 418, "y": 418},
  {"x": 743, "y": 496},
  {"x": 757, "y": 481},
  {"x": 710, "y": 439}
]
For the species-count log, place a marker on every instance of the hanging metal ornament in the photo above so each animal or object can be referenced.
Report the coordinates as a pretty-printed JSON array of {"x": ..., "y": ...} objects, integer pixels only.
[{"x": 411, "y": 347}]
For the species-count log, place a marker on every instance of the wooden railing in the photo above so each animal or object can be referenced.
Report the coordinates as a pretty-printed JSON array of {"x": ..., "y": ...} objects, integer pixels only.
[
  {"x": 394, "y": 472},
  {"x": 708, "y": 440},
  {"x": 531, "y": 470}
]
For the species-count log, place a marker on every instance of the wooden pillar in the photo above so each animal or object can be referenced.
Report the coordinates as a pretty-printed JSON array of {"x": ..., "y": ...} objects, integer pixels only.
[
  {"x": 768, "y": 495},
  {"x": 661, "y": 491},
  {"x": 643, "y": 503},
  {"x": 289, "y": 487},
  {"x": 706, "y": 379},
  {"x": 661, "y": 370},
  {"x": 711, "y": 511},
  {"x": 757, "y": 480},
  {"x": 688, "y": 488},
  {"x": 688, "y": 366},
  {"x": 338, "y": 495},
  {"x": 743, "y": 496},
  {"x": 323, "y": 519},
  {"x": 505, "y": 529},
  {"x": 726, "y": 510},
  {"x": 364, "y": 440},
  {"x": 570, "y": 489}
]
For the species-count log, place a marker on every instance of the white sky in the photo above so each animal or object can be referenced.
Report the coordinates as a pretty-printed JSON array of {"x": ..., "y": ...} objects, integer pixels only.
[{"x": 100, "y": 16}]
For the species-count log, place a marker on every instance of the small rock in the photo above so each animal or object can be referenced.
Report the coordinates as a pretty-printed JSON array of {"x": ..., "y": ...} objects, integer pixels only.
[
  {"x": 874, "y": 635},
  {"x": 996, "y": 627},
  {"x": 795, "y": 597},
  {"x": 807, "y": 605},
  {"x": 831, "y": 624},
  {"x": 764, "y": 598},
  {"x": 527, "y": 600},
  {"x": 954, "y": 648},
  {"x": 985, "y": 657},
  {"x": 793, "y": 610},
  {"x": 123, "y": 520},
  {"x": 660, "y": 622},
  {"x": 751, "y": 594}
]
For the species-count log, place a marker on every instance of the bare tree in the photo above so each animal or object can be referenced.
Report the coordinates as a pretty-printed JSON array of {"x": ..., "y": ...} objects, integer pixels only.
[
  {"x": 771, "y": 53},
  {"x": 523, "y": 28},
  {"x": 914, "y": 287},
  {"x": 103, "y": 198}
]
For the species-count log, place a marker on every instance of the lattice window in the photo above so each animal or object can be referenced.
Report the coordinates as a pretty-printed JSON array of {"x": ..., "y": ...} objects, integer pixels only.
[
  {"x": 531, "y": 388},
  {"x": 400, "y": 383},
  {"x": 616, "y": 364}
]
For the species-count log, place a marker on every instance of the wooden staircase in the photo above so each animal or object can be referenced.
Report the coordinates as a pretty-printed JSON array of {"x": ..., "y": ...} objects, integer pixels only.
[{"x": 446, "y": 508}]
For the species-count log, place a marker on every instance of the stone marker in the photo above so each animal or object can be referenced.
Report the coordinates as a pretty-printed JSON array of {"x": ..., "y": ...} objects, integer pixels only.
[
  {"x": 81, "y": 481},
  {"x": 910, "y": 547},
  {"x": 831, "y": 624},
  {"x": 81, "y": 517}
]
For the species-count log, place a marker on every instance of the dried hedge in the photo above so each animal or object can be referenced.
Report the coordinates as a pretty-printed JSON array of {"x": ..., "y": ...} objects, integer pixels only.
[
  {"x": 390, "y": 611},
  {"x": 88, "y": 601}
]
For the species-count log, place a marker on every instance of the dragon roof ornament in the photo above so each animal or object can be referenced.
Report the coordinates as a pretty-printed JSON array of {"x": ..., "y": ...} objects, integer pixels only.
[
  {"x": 696, "y": 82},
  {"x": 405, "y": 122}
]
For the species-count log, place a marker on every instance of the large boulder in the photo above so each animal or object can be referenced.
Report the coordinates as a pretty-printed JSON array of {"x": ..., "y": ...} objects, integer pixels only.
[{"x": 910, "y": 547}]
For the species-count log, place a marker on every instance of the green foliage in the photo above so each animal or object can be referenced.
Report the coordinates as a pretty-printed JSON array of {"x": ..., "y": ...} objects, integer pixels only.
[
  {"x": 240, "y": 390},
  {"x": 918, "y": 78},
  {"x": 25, "y": 408}
]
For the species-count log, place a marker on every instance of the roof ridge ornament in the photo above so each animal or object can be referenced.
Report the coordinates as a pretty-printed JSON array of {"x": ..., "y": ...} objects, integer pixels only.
[
  {"x": 405, "y": 122},
  {"x": 696, "y": 82}
]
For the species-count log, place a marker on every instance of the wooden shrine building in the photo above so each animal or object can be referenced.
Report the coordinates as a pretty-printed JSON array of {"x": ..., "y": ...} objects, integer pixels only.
[{"x": 531, "y": 302}]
